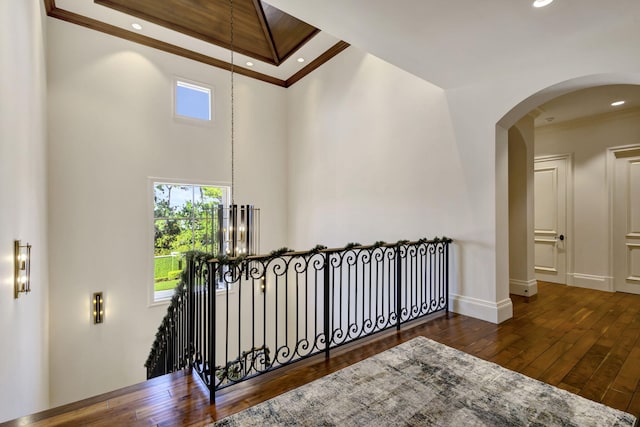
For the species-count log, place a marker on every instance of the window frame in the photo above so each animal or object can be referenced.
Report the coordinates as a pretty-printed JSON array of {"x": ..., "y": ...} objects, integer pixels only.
[
  {"x": 197, "y": 85},
  {"x": 152, "y": 182}
]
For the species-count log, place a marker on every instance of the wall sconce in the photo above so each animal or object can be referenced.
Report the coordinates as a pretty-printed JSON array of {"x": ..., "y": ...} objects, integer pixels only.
[
  {"x": 98, "y": 308},
  {"x": 22, "y": 268}
]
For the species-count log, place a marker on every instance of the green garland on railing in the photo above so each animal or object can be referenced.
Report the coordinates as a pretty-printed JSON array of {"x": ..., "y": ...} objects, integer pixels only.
[
  {"x": 278, "y": 252},
  {"x": 231, "y": 261},
  {"x": 317, "y": 249}
]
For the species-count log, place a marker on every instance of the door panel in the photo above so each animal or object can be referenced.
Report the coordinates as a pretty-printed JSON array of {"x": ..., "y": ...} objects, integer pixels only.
[
  {"x": 550, "y": 190},
  {"x": 626, "y": 231}
]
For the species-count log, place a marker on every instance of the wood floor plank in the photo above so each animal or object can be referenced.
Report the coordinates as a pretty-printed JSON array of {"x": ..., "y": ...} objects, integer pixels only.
[
  {"x": 629, "y": 375},
  {"x": 558, "y": 369},
  {"x": 617, "y": 399},
  {"x": 634, "y": 405},
  {"x": 584, "y": 370},
  {"x": 539, "y": 365},
  {"x": 584, "y": 341}
]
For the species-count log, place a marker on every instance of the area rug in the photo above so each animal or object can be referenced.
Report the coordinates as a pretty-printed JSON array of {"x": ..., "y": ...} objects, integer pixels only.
[{"x": 424, "y": 383}]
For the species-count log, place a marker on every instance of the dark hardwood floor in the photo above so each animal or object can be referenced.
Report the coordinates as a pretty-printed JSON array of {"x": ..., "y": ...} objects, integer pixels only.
[{"x": 584, "y": 341}]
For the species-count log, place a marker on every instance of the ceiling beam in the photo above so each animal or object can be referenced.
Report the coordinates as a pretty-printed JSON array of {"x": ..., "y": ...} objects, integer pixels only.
[
  {"x": 49, "y": 5},
  {"x": 267, "y": 32},
  {"x": 333, "y": 51},
  {"x": 93, "y": 24}
]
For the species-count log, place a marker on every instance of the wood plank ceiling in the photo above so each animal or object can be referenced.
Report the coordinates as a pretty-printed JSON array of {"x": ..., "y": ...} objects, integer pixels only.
[{"x": 261, "y": 31}]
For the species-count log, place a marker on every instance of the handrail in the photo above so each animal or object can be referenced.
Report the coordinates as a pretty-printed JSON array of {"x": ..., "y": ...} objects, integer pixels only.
[
  {"x": 232, "y": 319},
  {"x": 318, "y": 249}
]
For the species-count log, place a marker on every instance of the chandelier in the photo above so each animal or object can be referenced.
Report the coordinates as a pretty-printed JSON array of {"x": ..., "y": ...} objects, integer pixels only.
[{"x": 238, "y": 226}]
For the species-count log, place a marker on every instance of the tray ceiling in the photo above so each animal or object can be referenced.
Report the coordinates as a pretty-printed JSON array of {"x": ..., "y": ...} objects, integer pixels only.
[
  {"x": 269, "y": 39},
  {"x": 260, "y": 31}
]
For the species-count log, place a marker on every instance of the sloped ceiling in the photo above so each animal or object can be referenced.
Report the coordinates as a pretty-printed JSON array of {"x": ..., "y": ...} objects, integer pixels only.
[{"x": 461, "y": 43}]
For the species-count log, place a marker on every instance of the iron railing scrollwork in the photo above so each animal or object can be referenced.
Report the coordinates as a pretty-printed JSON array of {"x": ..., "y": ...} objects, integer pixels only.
[{"x": 232, "y": 319}]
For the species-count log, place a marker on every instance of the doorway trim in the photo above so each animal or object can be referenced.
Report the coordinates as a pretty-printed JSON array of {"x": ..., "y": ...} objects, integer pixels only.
[
  {"x": 568, "y": 158},
  {"x": 612, "y": 154}
]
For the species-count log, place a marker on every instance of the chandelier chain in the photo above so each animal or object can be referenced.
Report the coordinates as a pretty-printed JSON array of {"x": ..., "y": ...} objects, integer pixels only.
[{"x": 233, "y": 196}]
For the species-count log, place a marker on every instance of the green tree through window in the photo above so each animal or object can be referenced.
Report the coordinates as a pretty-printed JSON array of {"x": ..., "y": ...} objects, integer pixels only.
[{"x": 183, "y": 221}]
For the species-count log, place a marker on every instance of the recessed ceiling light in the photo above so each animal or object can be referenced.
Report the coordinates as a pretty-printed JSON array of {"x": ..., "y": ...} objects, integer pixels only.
[
  {"x": 542, "y": 3},
  {"x": 300, "y": 59},
  {"x": 249, "y": 64},
  {"x": 617, "y": 103},
  {"x": 136, "y": 26}
]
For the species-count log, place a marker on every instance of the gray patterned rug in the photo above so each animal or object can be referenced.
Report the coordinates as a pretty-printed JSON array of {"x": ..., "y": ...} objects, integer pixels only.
[{"x": 424, "y": 383}]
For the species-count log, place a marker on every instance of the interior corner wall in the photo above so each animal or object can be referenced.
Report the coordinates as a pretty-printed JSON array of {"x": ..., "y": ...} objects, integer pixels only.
[
  {"x": 111, "y": 128},
  {"x": 24, "y": 369},
  {"x": 588, "y": 141},
  {"x": 521, "y": 210},
  {"x": 373, "y": 156}
]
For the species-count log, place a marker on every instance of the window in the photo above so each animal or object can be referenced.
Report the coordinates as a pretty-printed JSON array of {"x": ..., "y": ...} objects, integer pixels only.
[
  {"x": 183, "y": 221},
  {"x": 192, "y": 101}
]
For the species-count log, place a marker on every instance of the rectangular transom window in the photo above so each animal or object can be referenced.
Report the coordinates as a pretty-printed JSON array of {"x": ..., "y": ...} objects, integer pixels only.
[
  {"x": 192, "y": 101},
  {"x": 183, "y": 221}
]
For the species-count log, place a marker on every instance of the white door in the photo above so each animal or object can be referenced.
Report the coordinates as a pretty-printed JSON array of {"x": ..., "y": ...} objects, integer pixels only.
[
  {"x": 626, "y": 222},
  {"x": 550, "y": 201}
]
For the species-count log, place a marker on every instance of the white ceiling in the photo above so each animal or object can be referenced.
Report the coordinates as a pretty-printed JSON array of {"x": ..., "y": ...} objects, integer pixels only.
[
  {"x": 458, "y": 43},
  {"x": 450, "y": 43},
  {"x": 461, "y": 43},
  {"x": 586, "y": 103}
]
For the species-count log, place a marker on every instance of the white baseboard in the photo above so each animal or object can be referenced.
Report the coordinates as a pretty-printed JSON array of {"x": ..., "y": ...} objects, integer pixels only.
[
  {"x": 523, "y": 287},
  {"x": 494, "y": 312},
  {"x": 589, "y": 281}
]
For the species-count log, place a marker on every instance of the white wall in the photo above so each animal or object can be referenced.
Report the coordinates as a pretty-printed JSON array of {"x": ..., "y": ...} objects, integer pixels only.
[
  {"x": 371, "y": 148},
  {"x": 373, "y": 157},
  {"x": 522, "y": 279},
  {"x": 588, "y": 140},
  {"x": 373, "y": 153},
  {"x": 482, "y": 111},
  {"x": 481, "y": 115},
  {"x": 111, "y": 129},
  {"x": 24, "y": 369}
]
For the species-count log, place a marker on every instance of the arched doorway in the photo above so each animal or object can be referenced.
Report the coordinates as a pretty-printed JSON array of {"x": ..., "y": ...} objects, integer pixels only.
[{"x": 580, "y": 276}]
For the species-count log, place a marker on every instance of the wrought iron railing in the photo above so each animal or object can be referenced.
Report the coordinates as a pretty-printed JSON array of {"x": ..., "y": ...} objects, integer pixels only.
[
  {"x": 232, "y": 319},
  {"x": 172, "y": 349}
]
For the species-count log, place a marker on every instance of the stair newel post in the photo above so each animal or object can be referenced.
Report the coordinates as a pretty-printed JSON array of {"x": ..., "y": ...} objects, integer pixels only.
[
  {"x": 191, "y": 309},
  {"x": 398, "y": 287},
  {"x": 446, "y": 243},
  {"x": 211, "y": 327},
  {"x": 170, "y": 346},
  {"x": 327, "y": 304}
]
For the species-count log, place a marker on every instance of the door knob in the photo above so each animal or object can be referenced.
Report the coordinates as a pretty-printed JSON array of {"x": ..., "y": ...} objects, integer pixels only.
[{"x": 561, "y": 237}]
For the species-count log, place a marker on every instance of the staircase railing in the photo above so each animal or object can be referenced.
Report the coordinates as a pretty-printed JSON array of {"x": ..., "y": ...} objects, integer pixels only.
[
  {"x": 172, "y": 348},
  {"x": 232, "y": 319}
]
